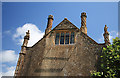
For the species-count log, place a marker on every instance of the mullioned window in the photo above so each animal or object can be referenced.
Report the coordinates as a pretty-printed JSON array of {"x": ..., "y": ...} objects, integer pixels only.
[{"x": 64, "y": 38}]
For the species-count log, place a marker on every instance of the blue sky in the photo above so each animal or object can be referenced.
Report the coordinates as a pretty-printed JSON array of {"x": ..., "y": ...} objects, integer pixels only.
[{"x": 30, "y": 15}]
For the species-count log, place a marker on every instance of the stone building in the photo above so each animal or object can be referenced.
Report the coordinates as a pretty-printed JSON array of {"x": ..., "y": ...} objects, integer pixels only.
[{"x": 63, "y": 51}]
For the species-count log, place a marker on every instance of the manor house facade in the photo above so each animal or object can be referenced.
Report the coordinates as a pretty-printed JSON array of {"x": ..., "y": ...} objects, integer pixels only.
[{"x": 65, "y": 50}]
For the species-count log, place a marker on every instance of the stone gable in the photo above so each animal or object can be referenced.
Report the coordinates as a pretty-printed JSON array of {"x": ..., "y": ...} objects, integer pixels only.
[{"x": 65, "y": 24}]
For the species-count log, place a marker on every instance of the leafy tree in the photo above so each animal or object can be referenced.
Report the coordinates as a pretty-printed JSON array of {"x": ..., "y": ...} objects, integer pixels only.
[{"x": 110, "y": 61}]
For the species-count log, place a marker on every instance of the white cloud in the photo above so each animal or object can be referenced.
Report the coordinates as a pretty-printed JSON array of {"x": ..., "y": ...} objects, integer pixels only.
[
  {"x": 0, "y": 74},
  {"x": 112, "y": 35},
  {"x": 10, "y": 71},
  {"x": 8, "y": 56},
  {"x": 35, "y": 34}
]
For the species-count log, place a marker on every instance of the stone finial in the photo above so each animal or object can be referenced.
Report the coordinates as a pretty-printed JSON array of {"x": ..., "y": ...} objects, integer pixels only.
[
  {"x": 20, "y": 62},
  {"x": 106, "y": 35},
  {"x": 49, "y": 24},
  {"x": 26, "y": 38},
  {"x": 27, "y": 35},
  {"x": 105, "y": 29},
  {"x": 65, "y": 18},
  {"x": 83, "y": 22}
]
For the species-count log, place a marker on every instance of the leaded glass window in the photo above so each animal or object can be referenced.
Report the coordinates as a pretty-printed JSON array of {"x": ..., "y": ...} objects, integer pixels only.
[
  {"x": 62, "y": 38},
  {"x": 57, "y": 38},
  {"x": 72, "y": 38},
  {"x": 67, "y": 38}
]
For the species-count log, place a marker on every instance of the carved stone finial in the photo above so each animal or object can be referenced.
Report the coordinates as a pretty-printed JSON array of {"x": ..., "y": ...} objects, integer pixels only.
[
  {"x": 26, "y": 38},
  {"x": 106, "y": 35},
  {"x": 105, "y": 29},
  {"x": 22, "y": 53},
  {"x": 28, "y": 35},
  {"x": 65, "y": 18}
]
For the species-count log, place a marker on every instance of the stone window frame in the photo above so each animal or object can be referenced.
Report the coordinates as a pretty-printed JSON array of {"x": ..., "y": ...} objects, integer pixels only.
[{"x": 64, "y": 37}]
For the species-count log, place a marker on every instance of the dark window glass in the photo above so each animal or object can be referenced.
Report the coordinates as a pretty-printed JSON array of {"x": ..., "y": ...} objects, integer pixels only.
[
  {"x": 67, "y": 38},
  {"x": 72, "y": 38},
  {"x": 57, "y": 38},
  {"x": 62, "y": 38}
]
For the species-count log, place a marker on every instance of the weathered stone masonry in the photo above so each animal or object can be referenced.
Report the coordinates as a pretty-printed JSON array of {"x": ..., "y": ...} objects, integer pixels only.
[{"x": 48, "y": 58}]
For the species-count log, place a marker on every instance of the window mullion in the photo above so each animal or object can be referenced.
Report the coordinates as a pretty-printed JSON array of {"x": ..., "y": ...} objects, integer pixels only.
[
  {"x": 69, "y": 36},
  {"x": 64, "y": 37},
  {"x": 59, "y": 38}
]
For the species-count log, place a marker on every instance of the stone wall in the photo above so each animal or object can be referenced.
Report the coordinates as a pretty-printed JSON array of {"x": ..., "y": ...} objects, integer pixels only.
[{"x": 47, "y": 59}]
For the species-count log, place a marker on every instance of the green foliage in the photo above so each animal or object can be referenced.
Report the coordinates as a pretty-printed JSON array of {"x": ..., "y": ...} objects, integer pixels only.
[{"x": 110, "y": 61}]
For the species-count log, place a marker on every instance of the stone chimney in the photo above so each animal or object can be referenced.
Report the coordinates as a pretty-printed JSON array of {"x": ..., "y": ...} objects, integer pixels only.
[
  {"x": 106, "y": 36},
  {"x": 49, "y": 24},
  {"x": 83, "y": 22}
]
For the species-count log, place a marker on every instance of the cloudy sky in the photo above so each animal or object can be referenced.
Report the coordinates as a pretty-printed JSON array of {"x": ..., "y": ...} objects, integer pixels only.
[{"x": 17, "y": 18}]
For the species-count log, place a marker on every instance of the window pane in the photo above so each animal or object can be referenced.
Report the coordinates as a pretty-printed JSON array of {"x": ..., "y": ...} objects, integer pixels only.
[
  {"x": 72, "y": 38},
  {"x": 67, "y": 38},
  {"x": 57, "y": 38},
  {"x": 62, "y": 38}
]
